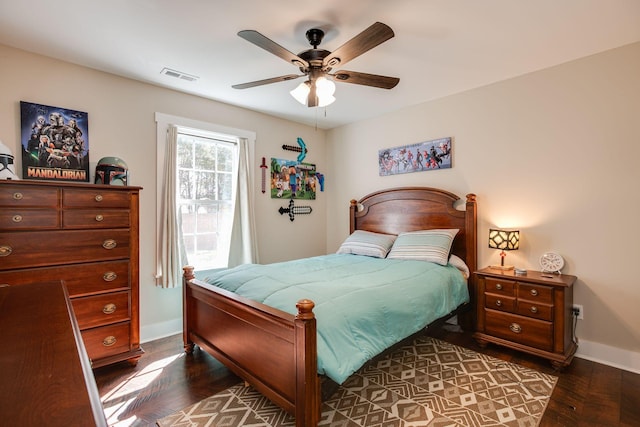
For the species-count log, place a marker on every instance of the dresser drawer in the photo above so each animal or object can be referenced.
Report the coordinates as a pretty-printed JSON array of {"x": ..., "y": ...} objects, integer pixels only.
[
  {"x": 35, "y": 249},
  {"x": 101, "y": 309},
  {"x": 107, "y": 340},
  {"x": 532, "y": 332},
  {"x": 80, "y": 280},
  {"x": 95, "y": 218},
  {"x": 500, "y": 302},
  {"x": 536, "y": 310},
  {"x": 15, "y": 195},
  {"x": 499, "y": 286},
  {"x": 537, "y": 293},
  {"x": 29, "y": 219},
  {"x": 94, "y": 197}
]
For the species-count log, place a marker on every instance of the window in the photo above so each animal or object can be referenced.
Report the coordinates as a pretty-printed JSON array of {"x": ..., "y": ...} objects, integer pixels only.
[
  {"x": 204, "y": 197},
  {"x": 206, "y": 167}
]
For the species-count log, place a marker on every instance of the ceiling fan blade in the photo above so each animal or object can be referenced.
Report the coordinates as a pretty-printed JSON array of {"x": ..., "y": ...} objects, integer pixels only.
[
  {"x": 267, "y": 81},
  {"x": 273, "y": 47},
  {"x": 368, "y": 39},
  {"x": 374, "y": 80}
]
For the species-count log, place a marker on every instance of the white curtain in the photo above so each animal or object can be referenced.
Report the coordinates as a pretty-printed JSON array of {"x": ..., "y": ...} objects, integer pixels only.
[
  {"x": 243, "y": 248},
  {"x": 172, "y": 253}
]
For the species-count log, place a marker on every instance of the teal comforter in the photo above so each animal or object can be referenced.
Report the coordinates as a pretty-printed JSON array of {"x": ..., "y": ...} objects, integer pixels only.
[{"x": 363, "y": 305}]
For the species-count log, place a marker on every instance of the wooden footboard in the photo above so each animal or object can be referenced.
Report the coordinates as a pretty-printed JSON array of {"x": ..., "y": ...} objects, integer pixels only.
[{"x": 272, "y": 350}]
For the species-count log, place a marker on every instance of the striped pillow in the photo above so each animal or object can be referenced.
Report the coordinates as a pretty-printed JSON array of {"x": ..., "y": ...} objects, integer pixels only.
[
  {"x": 424, "y": 245},
  {"x": 367, "y": 243}
]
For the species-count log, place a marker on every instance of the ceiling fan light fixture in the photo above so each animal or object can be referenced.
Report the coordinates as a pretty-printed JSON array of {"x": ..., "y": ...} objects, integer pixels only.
[
  {"x": 301, "y": 92},
  {"x": 325, "y": 89}
]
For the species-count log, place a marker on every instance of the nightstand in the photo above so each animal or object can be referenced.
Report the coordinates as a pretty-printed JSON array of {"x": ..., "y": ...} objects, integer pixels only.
[{"x": 530, "y": 313}]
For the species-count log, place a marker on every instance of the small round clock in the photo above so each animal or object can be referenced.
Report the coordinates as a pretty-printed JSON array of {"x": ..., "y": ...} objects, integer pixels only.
[{"x": 551, "y": 262}]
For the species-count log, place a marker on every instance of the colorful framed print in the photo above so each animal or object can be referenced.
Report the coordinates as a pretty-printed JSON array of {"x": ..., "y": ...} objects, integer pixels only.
[
  {"x": 55, "y": 143},
  {"x": 291, "y": 179},
  {"x": 423, "y": 156}
]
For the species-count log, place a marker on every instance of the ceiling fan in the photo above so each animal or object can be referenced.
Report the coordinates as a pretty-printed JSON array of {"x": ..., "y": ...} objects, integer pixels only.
[{"x": 318, "y": 63}]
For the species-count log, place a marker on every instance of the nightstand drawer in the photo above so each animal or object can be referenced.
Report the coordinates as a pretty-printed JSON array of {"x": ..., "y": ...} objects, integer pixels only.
[
  {"x": 523, "y": 330},
  {"x": 538, "y": 293},
  {"x": 499, "y": 286},
  {"x": 500, "y": 302},
  {"x": 531, "y": 309}
]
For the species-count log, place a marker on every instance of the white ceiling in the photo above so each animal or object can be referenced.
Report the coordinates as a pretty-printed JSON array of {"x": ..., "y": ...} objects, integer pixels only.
[{"x": 441, "y": 47}]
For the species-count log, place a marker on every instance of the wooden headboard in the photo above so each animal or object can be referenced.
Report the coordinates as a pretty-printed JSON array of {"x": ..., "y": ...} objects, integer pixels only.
[{"x": 398, "y": 210}]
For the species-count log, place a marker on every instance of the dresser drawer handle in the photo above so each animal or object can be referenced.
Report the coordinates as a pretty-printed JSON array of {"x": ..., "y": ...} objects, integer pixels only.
[
  {"x": 109, "y": 244},
  {"x": 17, "y": 196},
  {"x": 5, "y": 250},
  {"x": 109, "y": 308},
  {"x": 98, "y": 197},
  {"x": 109, "y": 341},
  {"x": 499, "y": 286},
  {"x": 109, "y": 276},
  {"x": 515, "y": 328},
  {"x": 534, "y": 292},
  {"x": 17, "y": 218},
  {"x": 499, "y": 303},
  {"x": 99, "y": 218},
  {"x": 534, "y": 309}
]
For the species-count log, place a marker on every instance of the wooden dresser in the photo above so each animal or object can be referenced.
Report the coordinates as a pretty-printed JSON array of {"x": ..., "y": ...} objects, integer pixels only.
[
  {"x": 45, "y": 375},
  {"x": 530, "y": 313},
  {"x": 87, "y": 236}
]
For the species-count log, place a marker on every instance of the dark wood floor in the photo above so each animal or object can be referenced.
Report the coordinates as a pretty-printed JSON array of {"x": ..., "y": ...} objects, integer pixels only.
[{"x": 166, "y": 380}]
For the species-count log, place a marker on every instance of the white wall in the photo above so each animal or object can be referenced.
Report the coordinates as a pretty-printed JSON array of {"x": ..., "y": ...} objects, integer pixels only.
[
  {"x": 553, "y": 153},
  {"x": 122, "y": 123}
]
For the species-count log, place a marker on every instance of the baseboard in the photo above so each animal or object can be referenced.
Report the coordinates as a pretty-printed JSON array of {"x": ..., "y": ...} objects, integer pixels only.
[
  {"x": 611, "y": 356},
  {"x": 160, "y": 330}
]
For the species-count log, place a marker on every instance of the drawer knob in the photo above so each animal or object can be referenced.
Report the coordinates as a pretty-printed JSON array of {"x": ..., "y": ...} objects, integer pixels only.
[
  {"x": 109, "y": 276},
  {"x": 5, "y": 250},
  {"x": 534, "y": 309},
  {"x": 99, "y": 218},
  {"x": 499, "y": 286},
  {"x": 98, "y": 197},
  {"x": 534, "y": 292},
  {"x": 109, "y": 308},
  {"x": 17, "y": 196},
  {"x": 515, "y": 328},
  {"x": 499, "y": 303},
  {"x": 109, "y": 341},
  {"x": 17, "y": 218},
  {"x": 109, "y": 244}
]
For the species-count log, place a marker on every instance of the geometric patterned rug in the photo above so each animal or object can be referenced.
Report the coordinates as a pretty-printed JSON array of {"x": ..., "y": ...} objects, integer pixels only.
[{"x": 426, "y": 383}]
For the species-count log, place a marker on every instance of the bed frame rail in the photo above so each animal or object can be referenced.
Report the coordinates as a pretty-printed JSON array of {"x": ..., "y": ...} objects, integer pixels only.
[{"x": 272, "y": 350}]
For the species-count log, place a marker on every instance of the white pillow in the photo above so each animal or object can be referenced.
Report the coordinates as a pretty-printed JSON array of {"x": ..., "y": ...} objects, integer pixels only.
[
  {"x": 458, "y": 263},
  {"x": 424, "y": 245},
  {"x": 367, "y": 243}
]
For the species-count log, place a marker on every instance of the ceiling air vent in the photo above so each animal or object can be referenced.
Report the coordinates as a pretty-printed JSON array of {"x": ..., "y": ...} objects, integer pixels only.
[{"x": 179, "y": 75}]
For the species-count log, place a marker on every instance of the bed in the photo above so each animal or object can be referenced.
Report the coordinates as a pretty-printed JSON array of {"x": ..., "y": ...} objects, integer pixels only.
[{"x": 276, "y": 350}]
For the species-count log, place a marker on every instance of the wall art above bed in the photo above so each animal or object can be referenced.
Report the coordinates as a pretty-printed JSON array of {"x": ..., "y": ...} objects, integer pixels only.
[{"x": 423, "y": 156}]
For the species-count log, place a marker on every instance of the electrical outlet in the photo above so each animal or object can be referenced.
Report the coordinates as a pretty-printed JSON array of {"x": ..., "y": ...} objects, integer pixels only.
[{"x": 578, "y": 308}]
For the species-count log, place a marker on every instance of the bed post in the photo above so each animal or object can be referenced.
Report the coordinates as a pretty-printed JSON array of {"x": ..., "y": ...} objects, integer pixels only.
[
  {"x": 353, "y": 208},
  {"x": 308, "y": 396},
  {"x": 186, "y": 276},
  {"x": 468, "y": 320}
]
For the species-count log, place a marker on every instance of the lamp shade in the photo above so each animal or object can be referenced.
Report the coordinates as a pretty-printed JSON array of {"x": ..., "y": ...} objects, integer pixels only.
[
  {"x": 323, "y": 89},
  {"x": 507, "y": 240}
]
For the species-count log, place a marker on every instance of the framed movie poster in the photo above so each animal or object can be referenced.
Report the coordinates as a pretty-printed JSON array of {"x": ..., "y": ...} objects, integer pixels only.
[
  {"x": 55, "y": 143},
  {"x": 291, "y": 179}
]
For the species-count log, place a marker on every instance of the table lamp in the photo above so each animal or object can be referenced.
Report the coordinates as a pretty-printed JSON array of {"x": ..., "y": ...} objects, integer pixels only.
[{"x": 506, "y": 240}]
